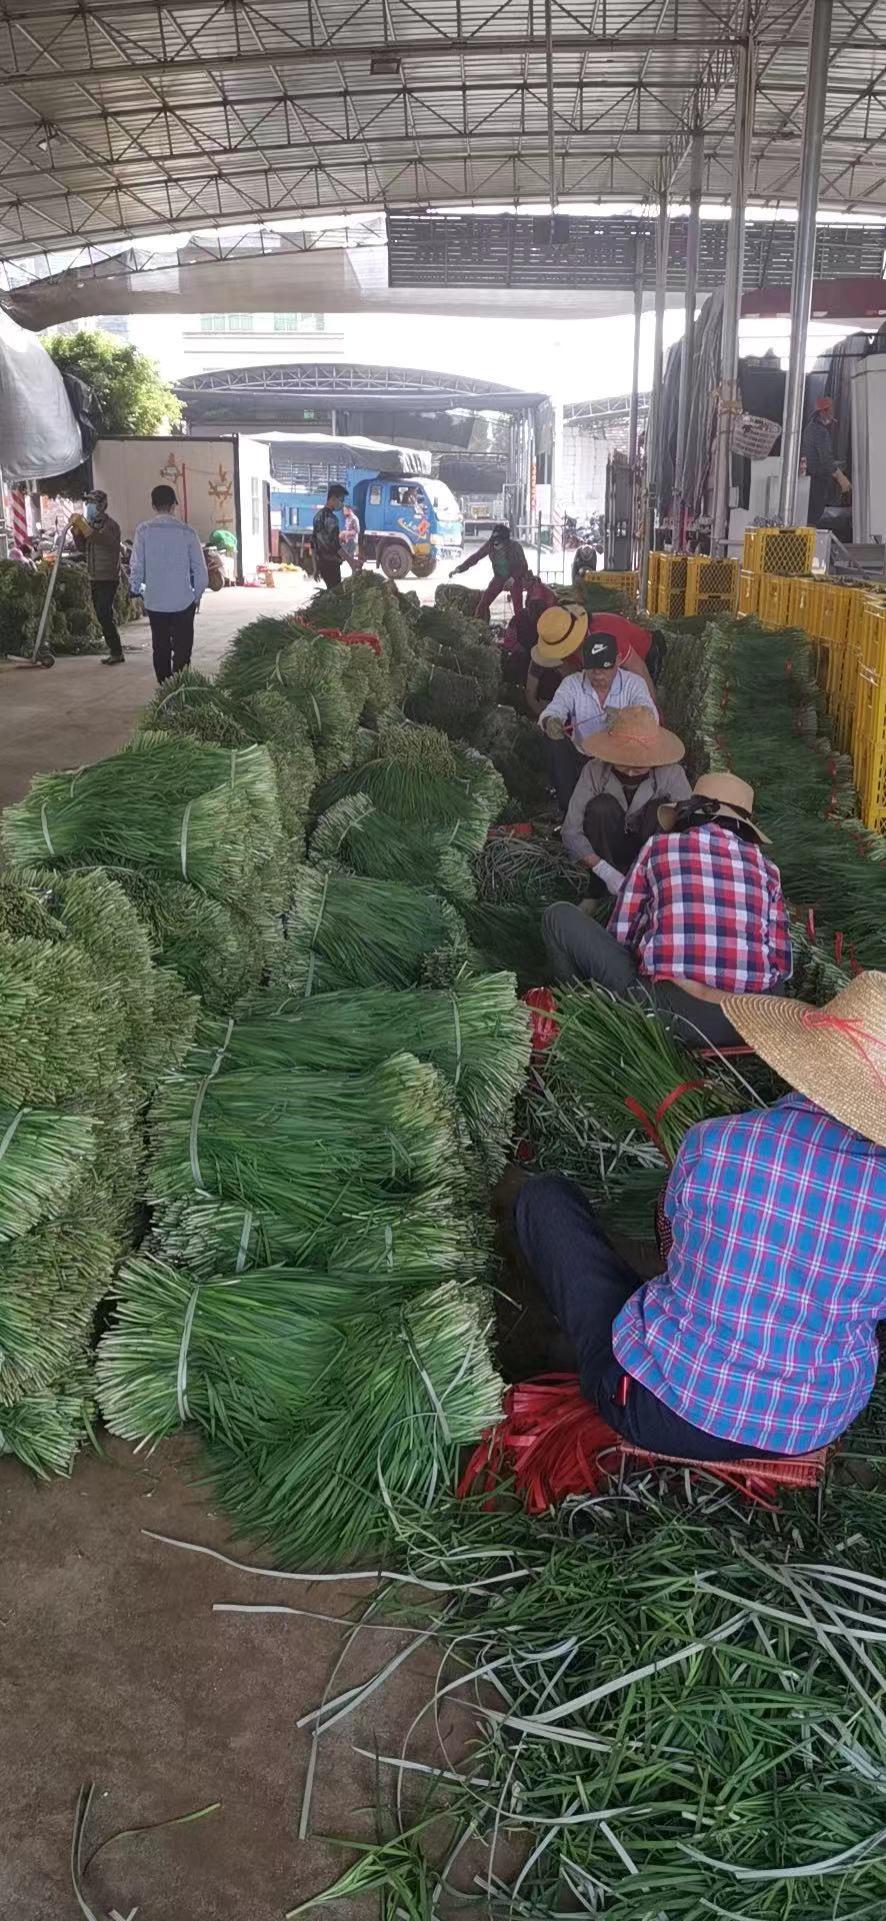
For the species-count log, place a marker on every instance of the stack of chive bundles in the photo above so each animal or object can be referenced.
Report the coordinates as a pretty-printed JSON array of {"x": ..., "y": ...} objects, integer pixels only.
[
  {"x": 322, "y": 680},
  {"x": 87, "y": 1026},
  {"x": 191, "y": 704},
  {"x": 194, "y": 833},
  {"x": 457, "y": 683},
  {"x": 258, "y": 1158},
  {"x": 356, "y": 835},
  {"x": 612, "y": 1099},
  {"x": 346, "y": 931},
  {"x": 365, "y": 604}
]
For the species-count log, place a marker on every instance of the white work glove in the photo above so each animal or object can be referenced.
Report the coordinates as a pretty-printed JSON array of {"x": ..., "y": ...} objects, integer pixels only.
[
  {"x": 554, "y": 728},
  {"x": 610, "y": 876}
]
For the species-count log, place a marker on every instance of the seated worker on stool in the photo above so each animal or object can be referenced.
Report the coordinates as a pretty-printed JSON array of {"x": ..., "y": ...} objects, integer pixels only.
[
  {"x": 701, "y": 915},
  {"x": 633, "y": 766},
  {"x": 584, "y": 698},
  {"x": 510, "y": 568},
  {"x": 761, "y": 1335},
  {"x": 548, "y": 666}
]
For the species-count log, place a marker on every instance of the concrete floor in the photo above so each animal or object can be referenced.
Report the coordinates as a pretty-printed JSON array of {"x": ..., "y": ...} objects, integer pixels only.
[
  {"x": 115, "y": 1670},
  {"x": 79, "y": 710}
]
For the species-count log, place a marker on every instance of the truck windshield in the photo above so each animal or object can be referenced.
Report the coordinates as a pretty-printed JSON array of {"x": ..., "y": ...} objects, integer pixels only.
[{"x": 443, "y": 502}]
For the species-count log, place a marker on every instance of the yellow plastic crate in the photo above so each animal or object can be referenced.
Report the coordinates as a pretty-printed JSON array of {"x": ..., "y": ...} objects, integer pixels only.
[
  {"x": 836, "y": 607},
  {"x": 772, "y": 600},
  {"x": 806, "y": 604},
  {"x": 748, "y": 591},
  {"x": 655, "y": 560},
  {"x": 869, "y": 718},
  {"x": 627, "y": 584},
  {"x": 671, "y": 585},
  {"x": 779, "y": 550},
  {"x": 711, "y": 585}
]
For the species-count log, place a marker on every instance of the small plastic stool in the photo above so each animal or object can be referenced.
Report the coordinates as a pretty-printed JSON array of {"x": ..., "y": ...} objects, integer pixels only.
[{"x": 756, "y": 1479}]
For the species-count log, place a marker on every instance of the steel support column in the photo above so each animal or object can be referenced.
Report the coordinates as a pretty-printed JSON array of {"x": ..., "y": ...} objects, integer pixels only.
[
  {"x": 634, "y": 416},
  {"x": 804, "y": 255},
  {"x": 693, "y": 236},
  {"x": 549, "y": 83},
  {"x": 745, "y": 82},
  {"x": 655, "y": 422}
]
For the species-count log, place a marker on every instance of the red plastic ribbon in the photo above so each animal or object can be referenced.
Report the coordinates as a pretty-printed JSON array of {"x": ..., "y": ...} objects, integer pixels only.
[
  {"x": 838, "y": 948},
  {"x": 810, "y": 923},
  {"x": 542, "y": 1012},
  {"x": 549, "y": 1440},
  {"x": 860, "y": 1039},
  {"x": 512, "y": 830},
  {"x": 650, "y": 1125},
  {"x": 356, "y": 638}
]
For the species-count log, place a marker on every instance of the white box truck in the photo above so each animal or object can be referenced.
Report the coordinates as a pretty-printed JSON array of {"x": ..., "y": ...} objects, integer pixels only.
[{"x": 221, "y": 481}]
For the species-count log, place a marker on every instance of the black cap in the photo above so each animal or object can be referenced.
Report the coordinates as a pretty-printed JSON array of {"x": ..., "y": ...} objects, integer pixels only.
[{"x": 599, "y": 650}]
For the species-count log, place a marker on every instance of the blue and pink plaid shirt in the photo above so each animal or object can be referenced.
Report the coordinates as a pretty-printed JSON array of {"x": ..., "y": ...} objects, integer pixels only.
[
  {"x": 705, "y": 906},
  {"x": 763, "y": 1329}
]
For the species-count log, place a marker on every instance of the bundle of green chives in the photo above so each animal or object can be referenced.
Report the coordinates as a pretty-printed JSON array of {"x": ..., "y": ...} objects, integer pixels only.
[
  {"x": 166, "y": 805},
  {"x": 50, "y": 1281},
  {"x": 287, "y": 1141},
  {"x": 476, "y": 1034},
  {"x": 219, "y": 951},
  {"x": 240, "y": 1355},
  {"x": 527, "y": 873},
  {"x": 44, "y": 1430},
  {"x": 406, "y": 792},
  {"x": 312, "y": 673},
  {"x": 408, "y": 1240},
  {"x": 24, "y": 912},
  {"x": 444, "y": 697},
  {"x": 355, "y": 835},
  {"x": 508, "y": 937},
  {"x": 192, "y": 704},
  {"x": 453, "y": 599},
  {"x": 608, "y": 1054},
  {"x": 344, "y": 930},
  {"x": 413, "y": 746},
  {"x": 409, "y": 1392},
  {"x": 42, "y": 1153},
  {"x": 57, "y": 1039}
]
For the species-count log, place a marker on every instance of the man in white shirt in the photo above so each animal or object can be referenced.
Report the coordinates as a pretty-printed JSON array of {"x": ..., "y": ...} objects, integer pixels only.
[
  {"x": 168, "y": 569},
  {"x": 582, "y": 702}
]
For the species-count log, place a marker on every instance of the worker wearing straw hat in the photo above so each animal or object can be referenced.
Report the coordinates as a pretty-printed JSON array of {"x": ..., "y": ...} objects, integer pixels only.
[
  {"x": 761, "y": 1335},
  {"x": 701, "y": 915},
  {"x": 583, "y": 699},
  {"x": 632, "y": 768}
]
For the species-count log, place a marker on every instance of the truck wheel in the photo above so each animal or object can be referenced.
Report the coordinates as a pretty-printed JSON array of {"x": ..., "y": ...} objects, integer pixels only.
[
  {"x": 423, "y": 565},
  {"x": 395, "y": 561}
]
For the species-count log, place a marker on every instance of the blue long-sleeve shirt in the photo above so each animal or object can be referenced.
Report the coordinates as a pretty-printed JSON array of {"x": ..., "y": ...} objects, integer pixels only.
[{"x": 167, "y": 567}]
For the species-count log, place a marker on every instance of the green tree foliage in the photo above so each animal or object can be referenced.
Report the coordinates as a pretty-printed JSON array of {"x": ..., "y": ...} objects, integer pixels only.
[{"x": 131, "y": 397}]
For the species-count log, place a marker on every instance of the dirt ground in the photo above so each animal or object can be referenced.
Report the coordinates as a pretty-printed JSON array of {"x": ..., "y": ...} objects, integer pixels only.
[{"x": 115, "y": 1670}]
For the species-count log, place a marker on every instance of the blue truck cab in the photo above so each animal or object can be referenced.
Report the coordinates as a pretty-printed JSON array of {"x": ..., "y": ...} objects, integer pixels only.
[{"x": 407, "y": 521}]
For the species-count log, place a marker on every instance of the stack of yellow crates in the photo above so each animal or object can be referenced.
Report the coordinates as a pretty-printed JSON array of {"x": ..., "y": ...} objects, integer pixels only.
[
  {"x": 711, "y": 585},
  {"x": 670, "y": 598},
  {"x": 868, "y": 739},
  {"x": 772, "y": 600},
  {"x": 778, "y": 550}
]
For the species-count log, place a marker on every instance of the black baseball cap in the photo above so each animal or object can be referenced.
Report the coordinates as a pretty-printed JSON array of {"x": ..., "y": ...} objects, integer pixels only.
[{"x": 599, "y": 650}]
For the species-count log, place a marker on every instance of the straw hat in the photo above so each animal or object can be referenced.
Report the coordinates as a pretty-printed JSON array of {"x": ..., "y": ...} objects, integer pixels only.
[
  {"x": 835, "y": 1055},
  {"x": 632, "y": 737},
  {"x": 736, "y": 800},
  {"x": 561, "y": 631}
]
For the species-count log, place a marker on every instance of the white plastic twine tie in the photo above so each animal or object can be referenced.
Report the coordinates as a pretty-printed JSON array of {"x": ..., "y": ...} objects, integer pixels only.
[
  {"x": 243, "y": 1250},
  {"x": 183, "y": 845},
  {"x": 198, "y": 1103},
  {"x": 389, "y": 1246},
  {"x": 317, "y": 715},
  {"x": 181, "y": 1379},
  {"x": 309, "y": 977},
  {"x": 11, "y": 1129},
  {"x": 44, "y": 825}
]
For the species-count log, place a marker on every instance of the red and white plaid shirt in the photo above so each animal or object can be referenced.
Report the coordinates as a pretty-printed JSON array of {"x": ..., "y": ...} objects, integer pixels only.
[{"x": 705, "y": 906}]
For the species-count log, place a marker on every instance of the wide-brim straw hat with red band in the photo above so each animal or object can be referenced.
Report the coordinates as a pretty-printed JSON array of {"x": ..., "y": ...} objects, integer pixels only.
[
  {"x": 835, "y": 1055},
  {"x": 632, "y": 737},
  {"x": 736, "y": 800},
  {"x": 560, "y": 631}
]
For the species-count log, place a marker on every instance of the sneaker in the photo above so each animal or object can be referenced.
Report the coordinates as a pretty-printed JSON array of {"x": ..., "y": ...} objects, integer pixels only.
[{"x": 114, "y": 660}]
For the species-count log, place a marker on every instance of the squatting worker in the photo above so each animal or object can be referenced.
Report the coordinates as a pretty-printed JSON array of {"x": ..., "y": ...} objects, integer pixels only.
[
  {"x": 701, "y": 916},
  {"x": 584, "y": 698},
  {"x": 326, "y": 540},
  {"x": 100, "y": 537},
  {"x": 817, "y": 448},
  {"x": 632, "y": 769},
  {"x": 510, "y": 568},
  {"x": 548, "y": 666},
  {"x": 168, "y": 568},
  {"x": 763, "y": 1341}
]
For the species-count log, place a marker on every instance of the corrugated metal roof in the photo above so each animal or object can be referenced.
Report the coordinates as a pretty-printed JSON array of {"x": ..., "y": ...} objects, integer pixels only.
[{"x": 128, "y": 117}]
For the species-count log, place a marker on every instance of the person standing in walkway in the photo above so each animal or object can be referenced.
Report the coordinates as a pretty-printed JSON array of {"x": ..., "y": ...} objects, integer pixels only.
[
  {"x": 168, "y": 569},
  {"x": 817, "y": 448},
  {"x": 326, "y": 541},
  {"x": 99, "y": 536},
  {"x": 510, "y": 568}
]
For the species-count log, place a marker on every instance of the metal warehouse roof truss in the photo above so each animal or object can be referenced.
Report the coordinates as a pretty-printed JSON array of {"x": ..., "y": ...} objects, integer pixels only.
[{"x": 121, "y": 117}]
